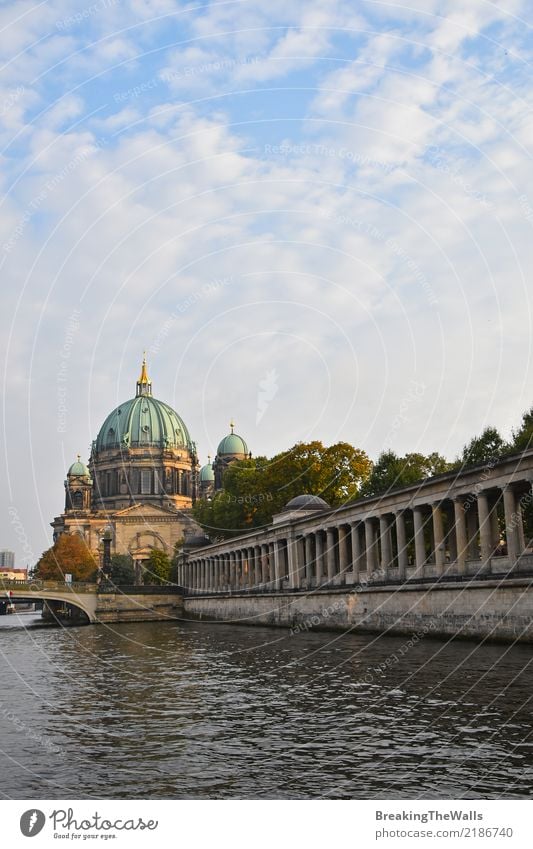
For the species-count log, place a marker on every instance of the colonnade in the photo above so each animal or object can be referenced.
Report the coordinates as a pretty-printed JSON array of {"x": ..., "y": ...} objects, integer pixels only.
[{"x": 382, "y": 541}]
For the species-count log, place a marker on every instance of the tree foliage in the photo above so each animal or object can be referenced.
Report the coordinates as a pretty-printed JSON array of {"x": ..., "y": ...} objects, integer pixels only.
[
  {"x": 523, "y": 437},
  {"x": 68, "y": 555},
  {"x": 255, "y": 489},
  {"x": 157, "y": 568},
  {"x": 488, "y": 447},
  {"x": 122, "y": 569},
  {"x": 391, "y": 470}
]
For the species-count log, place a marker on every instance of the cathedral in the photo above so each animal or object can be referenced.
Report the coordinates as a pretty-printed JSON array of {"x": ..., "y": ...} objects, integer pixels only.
[{"x": 142, "y": 479}]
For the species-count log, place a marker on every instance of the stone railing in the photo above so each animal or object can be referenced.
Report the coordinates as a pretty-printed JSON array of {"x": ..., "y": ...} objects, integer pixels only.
[{"x": 37, "y": 586}]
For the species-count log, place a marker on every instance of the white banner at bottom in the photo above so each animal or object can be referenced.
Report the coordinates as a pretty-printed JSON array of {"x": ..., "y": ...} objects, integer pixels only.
[{"x": 267, "y": 824}]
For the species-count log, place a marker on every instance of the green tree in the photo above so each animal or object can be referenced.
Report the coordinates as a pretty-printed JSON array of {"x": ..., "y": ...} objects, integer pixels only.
[
  {"x": 122, "y": 569},
  {"x": 157, "y": 568},
  {"x": 523, "y": 437},
  {"x": 68, "y": 555},
  {"x": 255, "y": 489},
  {"x": 390, "y": 471},
  {"x": 483, "y": 449}
]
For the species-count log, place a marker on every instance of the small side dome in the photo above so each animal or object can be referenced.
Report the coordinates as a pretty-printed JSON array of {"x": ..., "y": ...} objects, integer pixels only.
[
  {"x": 232, "y": 445},
  {"x": 78, "y": 470},
  {"x": 207, "y": 474},
  {"x": 307, "y": 502}
]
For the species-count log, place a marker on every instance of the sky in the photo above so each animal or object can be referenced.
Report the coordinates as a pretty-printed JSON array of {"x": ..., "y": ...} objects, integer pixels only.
[{"x": 316, "y": 217}]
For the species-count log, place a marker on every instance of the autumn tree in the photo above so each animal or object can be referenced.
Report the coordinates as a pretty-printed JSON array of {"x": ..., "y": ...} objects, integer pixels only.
[
  {"x": 68, "y": 555},
  {"x": 255, "y": 489}
]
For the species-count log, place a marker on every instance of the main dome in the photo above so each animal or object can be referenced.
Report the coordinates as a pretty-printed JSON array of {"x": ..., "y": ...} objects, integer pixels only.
[{"x": 143, "y": 421}]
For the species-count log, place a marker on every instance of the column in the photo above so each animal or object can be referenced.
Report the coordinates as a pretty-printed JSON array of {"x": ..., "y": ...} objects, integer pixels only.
[
  {"x": 293, "y": 551},
  {"x": 460, "y": 534},
  {"x": 485, "y": 529},
  {"x": 402, "y": 544},
  {"x": 277, "y": 564},
  {"x": 232, "y": 570},
  {"x": 319, "y": 557},
  {"x": 251, "y": 566},
  {"x": 511, "y": 533},
  {"x": 264, "y": 564},
  {"x": 472, "y": 530},
  {"x": 370, "y": 543},
  {"x": 239, "y": 563},
  {"x": 343, "y": 553},
  {"x": 438, "y": 536},
  {"x": 357, "y": 551},
  {"x": 330, "y": 554},
  {"x": 386, "y": 553},
  {"x": 520, "y": 526},
  {"x": 309, "y": 560},
  {"x": 420, "y": 545},
  {"x": 257, "y": 565},
  {"x": 495, "y": 525}
]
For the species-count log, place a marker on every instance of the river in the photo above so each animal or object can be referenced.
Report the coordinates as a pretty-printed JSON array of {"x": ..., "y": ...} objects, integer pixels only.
[{"x": 186, "y": 710}]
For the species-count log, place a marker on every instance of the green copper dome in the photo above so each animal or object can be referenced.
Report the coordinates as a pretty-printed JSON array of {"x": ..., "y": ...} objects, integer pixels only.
[
  {"x": 207, "y": 474},
  {"x": 232, "y": 444},
  {"x": 79, "y": 470},
  {"x": 143, "y": 421}
]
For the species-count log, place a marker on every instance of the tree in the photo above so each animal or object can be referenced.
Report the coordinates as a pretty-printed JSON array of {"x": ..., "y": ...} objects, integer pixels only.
[
  {"x": 488, "y": 447},
  {"x": 122, "y": 569},
  {"x": 157, "y": 568},
  {"x": 390, "y": 471},
  {"x": 255, "y": 489},
  {"x": 68, "y": 555},
  {"x": 523, "y": 437}
]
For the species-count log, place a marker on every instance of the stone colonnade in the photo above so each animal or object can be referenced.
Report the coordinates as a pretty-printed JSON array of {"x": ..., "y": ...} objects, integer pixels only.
[{"x": 400, "y": 536}]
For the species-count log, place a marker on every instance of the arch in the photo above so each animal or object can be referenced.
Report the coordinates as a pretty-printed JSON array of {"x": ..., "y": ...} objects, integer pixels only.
[
  {"x": 67, "y": 598},
  {"x": 144, "y": 540}
]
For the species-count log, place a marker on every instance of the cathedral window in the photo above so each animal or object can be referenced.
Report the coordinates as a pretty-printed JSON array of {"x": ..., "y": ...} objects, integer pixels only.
[
  {"x": 77, "y": 500},
  {"x": 146, "y": 482},
  {"x": 110, "y": 437}
]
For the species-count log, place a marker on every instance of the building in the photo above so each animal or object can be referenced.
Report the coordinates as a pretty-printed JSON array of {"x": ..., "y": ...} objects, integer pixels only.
[
  {"x": 7, "y": 560},
  {"x": 141, "y": 480},
  {"x": 14, "y": 574}
]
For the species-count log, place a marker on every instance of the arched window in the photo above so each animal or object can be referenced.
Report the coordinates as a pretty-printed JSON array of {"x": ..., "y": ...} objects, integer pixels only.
[
  {"x": 110, "y": 437},
  {"x": 77, "y": 500}
]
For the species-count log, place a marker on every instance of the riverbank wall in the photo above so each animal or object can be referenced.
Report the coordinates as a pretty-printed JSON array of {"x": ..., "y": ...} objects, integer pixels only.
[
  {"x": 490, "y": 609},
  {"x": 138, "y": 607}
]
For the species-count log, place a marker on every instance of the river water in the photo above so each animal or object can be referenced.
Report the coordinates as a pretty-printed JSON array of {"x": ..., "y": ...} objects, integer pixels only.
[{"x": 174, "y": 711}]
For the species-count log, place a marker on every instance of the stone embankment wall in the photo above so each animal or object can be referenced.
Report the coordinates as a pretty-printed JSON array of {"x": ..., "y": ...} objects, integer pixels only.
[
  {"x": 121, "y": 607},
  {"x": 491, "y": 609}
]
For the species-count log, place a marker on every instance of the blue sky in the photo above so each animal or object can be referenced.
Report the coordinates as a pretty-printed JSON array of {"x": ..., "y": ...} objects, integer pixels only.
[{"x": 315, "y": 216}]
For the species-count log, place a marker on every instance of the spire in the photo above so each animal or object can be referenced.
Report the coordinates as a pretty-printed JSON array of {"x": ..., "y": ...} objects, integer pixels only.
[
  {"x": 232, "y": 425},
  {"x": 144, "y": 384}
]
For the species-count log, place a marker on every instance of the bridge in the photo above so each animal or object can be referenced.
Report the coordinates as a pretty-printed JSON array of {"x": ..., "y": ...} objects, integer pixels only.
[{"x": 93, "y": 603}]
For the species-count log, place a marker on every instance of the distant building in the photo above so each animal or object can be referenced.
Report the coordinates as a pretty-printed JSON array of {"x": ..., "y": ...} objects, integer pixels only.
[
  {"x": 7, "y": 560},
  {"x": 14, "y": 574}
]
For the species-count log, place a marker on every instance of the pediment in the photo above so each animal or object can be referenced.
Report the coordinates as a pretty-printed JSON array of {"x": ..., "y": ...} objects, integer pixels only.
[{"x": 144, "y": 511}]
